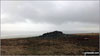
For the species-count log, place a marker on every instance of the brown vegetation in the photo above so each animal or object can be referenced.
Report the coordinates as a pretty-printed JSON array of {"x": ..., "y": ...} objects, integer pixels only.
[{"x": 40, "y": 46}]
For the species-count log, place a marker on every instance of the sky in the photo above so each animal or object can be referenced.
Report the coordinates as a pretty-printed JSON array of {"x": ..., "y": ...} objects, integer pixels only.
[{"x": 37, "y": 17}]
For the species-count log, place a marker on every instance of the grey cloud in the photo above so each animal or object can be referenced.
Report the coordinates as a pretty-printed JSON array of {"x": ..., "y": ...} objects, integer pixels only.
[{"x": 51, "y": 12}]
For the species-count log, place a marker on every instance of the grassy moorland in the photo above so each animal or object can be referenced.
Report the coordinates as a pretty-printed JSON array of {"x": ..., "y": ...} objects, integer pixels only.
[{"x": 73, "y": 44}]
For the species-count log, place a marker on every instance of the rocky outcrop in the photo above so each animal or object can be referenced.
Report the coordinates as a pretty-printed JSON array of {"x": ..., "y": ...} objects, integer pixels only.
[{"x": 53, "y": 34}]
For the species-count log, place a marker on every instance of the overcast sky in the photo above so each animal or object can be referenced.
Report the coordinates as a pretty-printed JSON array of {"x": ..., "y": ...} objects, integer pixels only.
[{"x": 21, "y": 17}]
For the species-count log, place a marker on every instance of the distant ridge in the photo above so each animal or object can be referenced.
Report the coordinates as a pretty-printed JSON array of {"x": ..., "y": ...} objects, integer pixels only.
[{"x": 61, "y": 35}]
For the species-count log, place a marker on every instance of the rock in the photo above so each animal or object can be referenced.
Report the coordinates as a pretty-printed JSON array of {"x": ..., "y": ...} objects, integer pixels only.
[{"x": 53, "y": 34}]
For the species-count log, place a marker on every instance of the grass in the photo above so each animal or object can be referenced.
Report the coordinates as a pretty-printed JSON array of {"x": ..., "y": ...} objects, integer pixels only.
[{"x": 38, "y": 46}]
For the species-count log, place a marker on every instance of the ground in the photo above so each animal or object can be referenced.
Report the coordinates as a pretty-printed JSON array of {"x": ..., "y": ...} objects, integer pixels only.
[{"x": 40, "y": 46}]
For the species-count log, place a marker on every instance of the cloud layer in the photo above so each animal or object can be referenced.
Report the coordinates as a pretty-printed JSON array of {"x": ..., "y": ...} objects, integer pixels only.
[{"x": 55, "y": 12}]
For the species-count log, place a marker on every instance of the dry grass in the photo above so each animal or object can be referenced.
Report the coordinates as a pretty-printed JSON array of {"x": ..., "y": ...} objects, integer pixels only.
[{"x": 36, "y": 46}]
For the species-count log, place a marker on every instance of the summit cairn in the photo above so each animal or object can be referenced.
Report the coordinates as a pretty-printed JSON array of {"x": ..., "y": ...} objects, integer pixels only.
[{"x": 53, "y": 34}]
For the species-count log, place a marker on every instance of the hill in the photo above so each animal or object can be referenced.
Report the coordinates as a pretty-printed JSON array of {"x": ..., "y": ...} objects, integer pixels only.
[{"x": 51, "y": 43}]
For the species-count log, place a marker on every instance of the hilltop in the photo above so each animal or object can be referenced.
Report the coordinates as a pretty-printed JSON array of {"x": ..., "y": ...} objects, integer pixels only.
[{"x": 51, "y": 43}]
